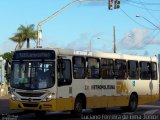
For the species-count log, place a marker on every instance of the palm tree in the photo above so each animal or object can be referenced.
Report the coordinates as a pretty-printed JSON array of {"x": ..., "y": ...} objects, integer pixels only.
[
  {"x": 18, "y": 38},
  {"x": 28, "y": 33}
]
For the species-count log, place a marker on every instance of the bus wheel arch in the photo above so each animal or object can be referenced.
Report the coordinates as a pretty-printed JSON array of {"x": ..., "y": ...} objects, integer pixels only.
[
  {"x": 79, "y": 104},
  {"x": 83, "y": 98},
  {"x": 133, "y": 102}
]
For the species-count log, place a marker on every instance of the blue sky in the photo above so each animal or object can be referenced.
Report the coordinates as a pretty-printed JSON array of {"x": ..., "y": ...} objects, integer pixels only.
[{"x": 85, "y": 21}]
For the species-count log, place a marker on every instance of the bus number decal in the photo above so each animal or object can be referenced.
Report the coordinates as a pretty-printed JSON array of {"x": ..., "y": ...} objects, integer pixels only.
[
  {"x": 121, "y": 88},
  {"x": 86, "y": 87}
]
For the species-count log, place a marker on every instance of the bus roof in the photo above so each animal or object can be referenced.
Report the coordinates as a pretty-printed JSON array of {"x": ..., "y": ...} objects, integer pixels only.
[{"x": 71, "y": 52}]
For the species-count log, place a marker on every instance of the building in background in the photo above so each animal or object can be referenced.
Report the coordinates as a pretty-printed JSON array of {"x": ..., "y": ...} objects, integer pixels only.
[
  {"x": 3, "y": 85},
  {"x": 1, "y": 70}
]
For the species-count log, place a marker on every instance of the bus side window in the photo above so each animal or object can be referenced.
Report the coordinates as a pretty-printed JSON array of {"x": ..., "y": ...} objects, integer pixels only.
[
  {"x": 120, "y": 71},
  {"x": 133, "y": 69},
  {"x": 145, "y": 70},
  {"x": 153, "y": 71},
  {"x": 78, "y": 67},
  {"x": 107, "y": 68},
  {"x": 64, "y": 72},
  {"x": 93, "y": 68}
]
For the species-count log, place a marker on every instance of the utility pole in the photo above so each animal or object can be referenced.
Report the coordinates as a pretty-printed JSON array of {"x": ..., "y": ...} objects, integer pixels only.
[
  {"x": 90, "y": 45},
  {"x": 114, "y": 36}
]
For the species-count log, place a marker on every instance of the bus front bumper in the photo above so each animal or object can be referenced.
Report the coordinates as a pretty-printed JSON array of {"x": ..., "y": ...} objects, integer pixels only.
[{"x": 46, "y": 106}]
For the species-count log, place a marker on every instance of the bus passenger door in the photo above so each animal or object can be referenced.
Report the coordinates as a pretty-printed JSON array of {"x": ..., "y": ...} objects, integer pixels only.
[{"x": 64, "y": 92}]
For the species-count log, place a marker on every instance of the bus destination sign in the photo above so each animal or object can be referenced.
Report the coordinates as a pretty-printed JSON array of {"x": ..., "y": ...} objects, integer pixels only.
[{"x": 33, "y": 54}]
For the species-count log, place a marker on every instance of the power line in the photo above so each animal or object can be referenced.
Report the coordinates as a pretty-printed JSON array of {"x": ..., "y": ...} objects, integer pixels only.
[
  {"x": 143, "y": 3},
  {"x": 149, "y": 11},
  {"x": 141, "y": 7},
  {"x": 134, "y": 20},
  {"x": 147, "y": 42},
  {"x": 154, "y": 36}
]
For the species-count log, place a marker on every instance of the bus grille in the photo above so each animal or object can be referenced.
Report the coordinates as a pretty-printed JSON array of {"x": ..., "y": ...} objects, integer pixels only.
[
  {"x": 29, "y": 105},
  {"x": 30, "y": 94},
  {"x": 34, "y": 100}
]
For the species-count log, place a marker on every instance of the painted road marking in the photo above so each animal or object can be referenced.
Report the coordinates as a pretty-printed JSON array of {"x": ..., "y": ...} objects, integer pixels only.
[
  {"x": 128, "y": 113},
  {"x": 150, "y": 112},
  {"x": 149, "y": 106}
]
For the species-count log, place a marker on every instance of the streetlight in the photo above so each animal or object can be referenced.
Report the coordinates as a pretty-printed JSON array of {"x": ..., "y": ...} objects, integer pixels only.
[
  {"x": 39, "y": 30},
  {"x": 90, "y": 44},
  {"x": 148, "y": 21}
]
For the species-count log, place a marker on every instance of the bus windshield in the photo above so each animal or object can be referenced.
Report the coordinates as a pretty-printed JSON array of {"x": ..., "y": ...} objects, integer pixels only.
[{"x": 33, "y": 75}]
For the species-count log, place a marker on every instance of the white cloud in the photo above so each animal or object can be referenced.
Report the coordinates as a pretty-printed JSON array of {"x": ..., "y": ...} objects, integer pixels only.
[
  {"x": 82, "y": 43},
  {"x": 138, "y": 39}
]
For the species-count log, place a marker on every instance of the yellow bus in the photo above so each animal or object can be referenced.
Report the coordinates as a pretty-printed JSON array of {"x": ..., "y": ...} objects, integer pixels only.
[{"x": 45, "y": 79}]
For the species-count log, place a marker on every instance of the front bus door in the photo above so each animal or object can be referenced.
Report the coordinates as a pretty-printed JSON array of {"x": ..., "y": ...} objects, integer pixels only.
[{"x": 64, "y": 92}]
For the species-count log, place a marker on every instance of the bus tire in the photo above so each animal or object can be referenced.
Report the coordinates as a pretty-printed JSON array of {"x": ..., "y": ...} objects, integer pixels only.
[
  {"x": 40, "y": 114},
  {"x": 133, "y": 102},
  {"x": 78, "y": 107}
]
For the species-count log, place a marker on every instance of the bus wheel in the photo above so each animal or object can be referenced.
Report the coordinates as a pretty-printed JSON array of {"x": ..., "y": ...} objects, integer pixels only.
[
  {"x": 40, "y": 114},
  {"x": 78, "y": 106},
  {"x": 133, "y": 102}
]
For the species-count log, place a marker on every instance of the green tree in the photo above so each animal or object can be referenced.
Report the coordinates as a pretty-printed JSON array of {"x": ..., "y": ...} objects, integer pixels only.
[
  {"x": 8, "y": 58},
  {"x": 18, "y": 38},
  {"x": 28, "y": 33}
]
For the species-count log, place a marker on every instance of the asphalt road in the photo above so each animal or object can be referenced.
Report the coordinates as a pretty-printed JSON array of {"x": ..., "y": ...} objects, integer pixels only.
[{"x": 144, "y": 112}]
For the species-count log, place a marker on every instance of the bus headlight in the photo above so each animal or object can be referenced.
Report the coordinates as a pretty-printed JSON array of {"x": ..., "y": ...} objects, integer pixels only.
[
  {"x": 2, "y": 90},
  {"x": 14, "y": 97},
  {"x": 49, "y": 97}
]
